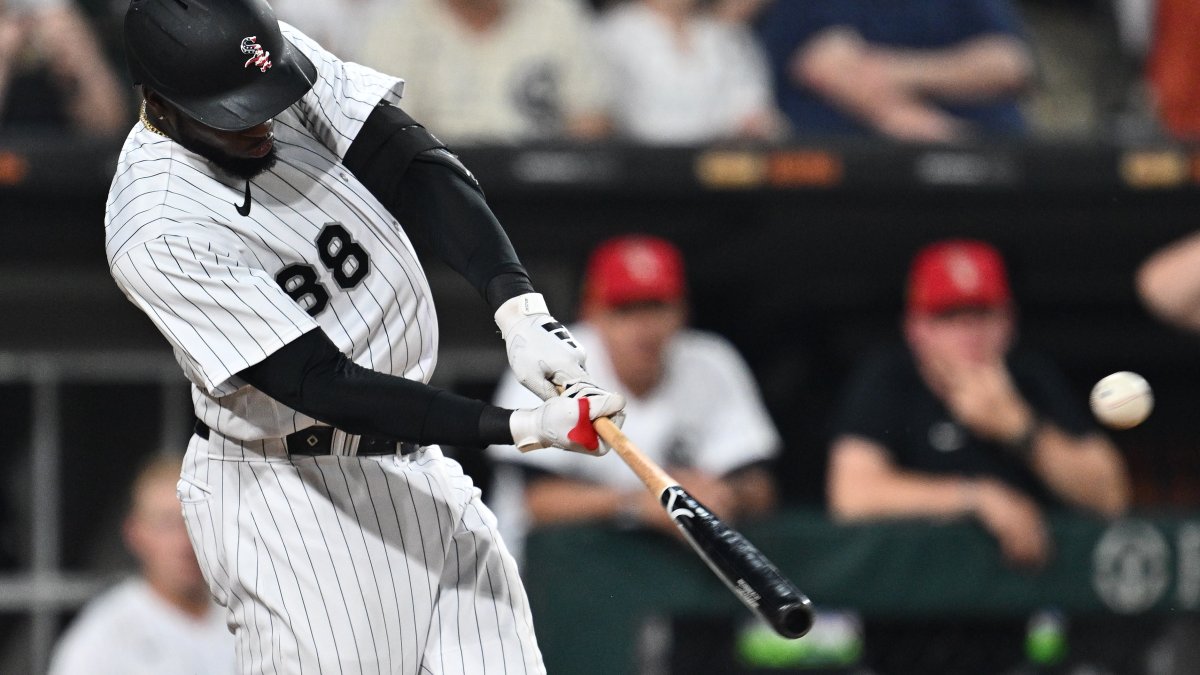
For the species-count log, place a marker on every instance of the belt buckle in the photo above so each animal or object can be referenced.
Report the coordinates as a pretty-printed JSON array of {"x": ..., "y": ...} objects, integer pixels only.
[{"x": 311, "y": 442}]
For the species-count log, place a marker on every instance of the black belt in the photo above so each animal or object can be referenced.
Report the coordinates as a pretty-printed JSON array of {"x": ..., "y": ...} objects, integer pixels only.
[{"x": 315, "y": 441}]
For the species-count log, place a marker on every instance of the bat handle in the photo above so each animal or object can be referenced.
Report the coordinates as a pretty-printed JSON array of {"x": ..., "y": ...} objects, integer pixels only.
[{"x": 650, "y": 473}]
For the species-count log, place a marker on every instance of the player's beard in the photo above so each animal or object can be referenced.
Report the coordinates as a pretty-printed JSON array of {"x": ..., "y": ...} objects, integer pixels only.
[{"x": 245, "y": 168}]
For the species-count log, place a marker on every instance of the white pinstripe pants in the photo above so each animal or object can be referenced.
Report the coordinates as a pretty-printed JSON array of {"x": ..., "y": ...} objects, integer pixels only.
[{"x": 357, "y": 565}]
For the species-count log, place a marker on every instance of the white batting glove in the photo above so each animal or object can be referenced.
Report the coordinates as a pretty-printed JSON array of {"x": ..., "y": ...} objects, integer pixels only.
[
  {"x": 541, "y": 352},
  {"x": 565, "y": 421}
]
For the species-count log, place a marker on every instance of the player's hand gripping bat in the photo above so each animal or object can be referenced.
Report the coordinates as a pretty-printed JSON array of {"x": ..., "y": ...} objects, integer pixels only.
[{"x": 747, "y": 572}]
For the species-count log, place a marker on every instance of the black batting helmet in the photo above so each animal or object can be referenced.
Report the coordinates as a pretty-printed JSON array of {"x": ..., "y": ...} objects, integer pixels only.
[{"x": 223, "y": 63}]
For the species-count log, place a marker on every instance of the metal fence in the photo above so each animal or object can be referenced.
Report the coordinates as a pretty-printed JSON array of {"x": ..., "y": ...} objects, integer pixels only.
[{"x": 42, "y": 592}]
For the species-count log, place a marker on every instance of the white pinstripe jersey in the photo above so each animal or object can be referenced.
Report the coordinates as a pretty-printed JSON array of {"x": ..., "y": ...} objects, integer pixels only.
[{"x": 213, "y": 281}]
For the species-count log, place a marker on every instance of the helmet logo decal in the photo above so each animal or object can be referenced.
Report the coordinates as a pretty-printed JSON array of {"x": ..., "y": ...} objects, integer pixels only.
[{"x": 259, "y": 57}]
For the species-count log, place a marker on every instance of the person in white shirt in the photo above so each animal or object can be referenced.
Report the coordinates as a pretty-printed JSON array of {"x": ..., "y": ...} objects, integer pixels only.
[
  {"x": 162, "y": 620},
  {"x": 681, "y": 75},
  {"x": 493, "y": 71},
  {"x": 692, "y": 405}
]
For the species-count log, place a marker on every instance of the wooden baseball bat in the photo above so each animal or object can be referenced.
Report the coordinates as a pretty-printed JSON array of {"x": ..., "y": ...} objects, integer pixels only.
[{"x": 748, "y": 573}]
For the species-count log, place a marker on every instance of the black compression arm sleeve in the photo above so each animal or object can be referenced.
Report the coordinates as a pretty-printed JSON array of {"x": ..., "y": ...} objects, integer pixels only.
[
  {"x": 437, "y": 200},
  {"x": 458, "y": 223},
  {"x": 310, "y": 375}
]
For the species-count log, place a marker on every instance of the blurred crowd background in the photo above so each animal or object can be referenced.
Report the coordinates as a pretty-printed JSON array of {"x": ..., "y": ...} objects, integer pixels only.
[
  {"x": 798, "y": 153},
  {"x": 687, "y": 71}
]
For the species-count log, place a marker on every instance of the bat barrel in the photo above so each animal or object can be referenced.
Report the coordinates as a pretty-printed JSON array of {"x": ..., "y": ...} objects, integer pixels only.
[
  {"x": 747, "y": 572},
  {"x": 792, "y": 620}
]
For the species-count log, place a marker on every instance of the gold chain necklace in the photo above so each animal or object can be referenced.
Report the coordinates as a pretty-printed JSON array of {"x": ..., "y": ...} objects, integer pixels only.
[{"x": 146, "y": 121}]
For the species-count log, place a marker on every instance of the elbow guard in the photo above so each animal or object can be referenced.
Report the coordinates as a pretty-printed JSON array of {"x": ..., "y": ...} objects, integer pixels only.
[
  {"x": 449, "y": 160},
  {"x": 440, "y": 202},
  {"x": 388, "y": 143}
]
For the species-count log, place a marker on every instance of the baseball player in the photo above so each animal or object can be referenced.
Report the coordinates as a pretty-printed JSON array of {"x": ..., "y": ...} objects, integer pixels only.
[{"x": 260, "y": 216}]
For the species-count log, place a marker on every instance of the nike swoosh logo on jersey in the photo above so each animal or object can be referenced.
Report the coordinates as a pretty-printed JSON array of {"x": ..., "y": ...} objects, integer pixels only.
[{"x": 244, "y": 209}]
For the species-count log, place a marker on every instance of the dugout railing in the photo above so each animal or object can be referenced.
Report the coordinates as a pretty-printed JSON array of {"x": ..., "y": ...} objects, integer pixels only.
[
  {"x": 1131, "y": 586},
  {"x": 62, "y": 494},
  {"x": 37, "y": 590}
]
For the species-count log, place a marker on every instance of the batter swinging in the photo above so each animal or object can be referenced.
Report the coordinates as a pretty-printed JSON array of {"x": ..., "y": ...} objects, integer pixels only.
[{"x": 260, "y": 216}]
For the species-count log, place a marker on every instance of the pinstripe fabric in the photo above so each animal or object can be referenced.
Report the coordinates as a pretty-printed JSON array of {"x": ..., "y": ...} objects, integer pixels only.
[
  {"x": 336, "y": 564},
  {"x": 356, "y": 565}
]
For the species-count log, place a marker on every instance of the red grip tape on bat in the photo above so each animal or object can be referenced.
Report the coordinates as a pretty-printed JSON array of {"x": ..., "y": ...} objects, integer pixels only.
[{"x": 584, "y": 433}]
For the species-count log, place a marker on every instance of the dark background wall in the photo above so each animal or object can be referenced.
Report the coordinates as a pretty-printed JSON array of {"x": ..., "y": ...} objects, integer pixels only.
[{"x": 803, "y": 272}]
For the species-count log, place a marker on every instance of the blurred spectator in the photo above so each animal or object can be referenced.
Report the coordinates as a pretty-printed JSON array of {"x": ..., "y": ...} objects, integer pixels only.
[
  {"x": 1168, "y": 282},
  {"x": 1174, "y": 67},
  {"x": 683, "y": 75},
  {"x": 338, "y": 25},
  {"x": 1135, "y": 25},
  {"x": 162, "y": 621},
  {"x": 692, "y": 406},
  {"x": 53, "y": 73},
  {"x": 1135, "y": 118},
  {"x": 737, "y": 11},
  {"x": 913, "y": 70},
  {"x": 493, "y": 71},
  {"x": 1085, "y": 86},
  {"x": 956, "y": 424}
]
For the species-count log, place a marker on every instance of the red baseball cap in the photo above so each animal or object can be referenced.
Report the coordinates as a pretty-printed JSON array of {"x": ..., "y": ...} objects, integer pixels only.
[
  {"x": 957, "y": 273},
  {"x": 636, "y": 268}
]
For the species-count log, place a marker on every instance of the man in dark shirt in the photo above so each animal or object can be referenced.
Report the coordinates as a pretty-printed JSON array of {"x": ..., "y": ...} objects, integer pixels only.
[
  {"x": 955, "y": 424},
  {"x": 915, "y": 70}
]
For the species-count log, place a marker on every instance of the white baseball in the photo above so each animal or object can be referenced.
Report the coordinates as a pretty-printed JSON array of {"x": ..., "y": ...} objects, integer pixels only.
[{"x": 1122, "y": 400}]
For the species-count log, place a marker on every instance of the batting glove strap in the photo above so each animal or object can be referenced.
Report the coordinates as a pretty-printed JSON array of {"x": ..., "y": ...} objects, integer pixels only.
[
  {"x": 566, "y": 421},
  {"x": 541, "y": 351},
  {"x": 515, "y": 309}
]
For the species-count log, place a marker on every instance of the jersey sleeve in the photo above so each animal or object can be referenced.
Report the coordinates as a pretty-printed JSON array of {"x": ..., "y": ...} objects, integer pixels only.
[
  {"x": 92, "y": 642},
  {"x": 74, "y": 653},
  {"x": 736, "y": 429},
  {"x": 219, "y": 314},
  {"x": 84, "y": 652},
  {"x": 344, "y": 95}
]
